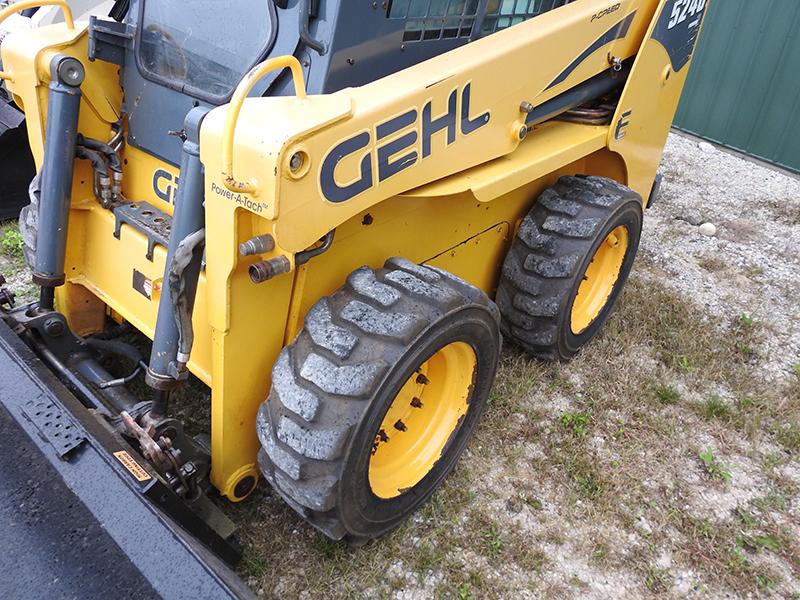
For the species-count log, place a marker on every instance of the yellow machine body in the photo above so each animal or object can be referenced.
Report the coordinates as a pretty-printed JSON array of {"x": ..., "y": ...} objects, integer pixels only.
[{"x": 455, "y": 204}]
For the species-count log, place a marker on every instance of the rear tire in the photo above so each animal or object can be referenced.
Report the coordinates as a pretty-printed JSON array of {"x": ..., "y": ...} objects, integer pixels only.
[
  {"x": 323, "y": 425},
  {"x": 16, "y": 171},
  {"x": 29, "y": 222},
  {"x": 564, "y": 240}
]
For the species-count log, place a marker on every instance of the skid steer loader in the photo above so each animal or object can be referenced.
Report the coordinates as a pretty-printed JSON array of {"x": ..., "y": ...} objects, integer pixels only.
[{"x": 330, "y": 213}]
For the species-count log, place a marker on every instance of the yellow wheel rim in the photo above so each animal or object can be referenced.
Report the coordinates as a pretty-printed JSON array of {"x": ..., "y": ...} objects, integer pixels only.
[
  {"x": 422, "y": 418},
  {"x": 599, "y": 280}
]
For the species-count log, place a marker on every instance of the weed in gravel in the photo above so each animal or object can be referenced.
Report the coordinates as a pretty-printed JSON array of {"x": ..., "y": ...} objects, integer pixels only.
[
  {"x": 492, "y": 540},
  {"x": 589, "y": 484},
  {"x": 712, "y": 264},
  {"x": 575, "y": 423},
  {"x": 657, "y": 580},
  {"x": 715, "y": 408},
  {"x": 713, "y": 467},
  {"x": 11, "y": 243},
  {"x": 666, "y": 394},
  {"x": 757, "y": 543},
  {"x": 788, "y": 435}
]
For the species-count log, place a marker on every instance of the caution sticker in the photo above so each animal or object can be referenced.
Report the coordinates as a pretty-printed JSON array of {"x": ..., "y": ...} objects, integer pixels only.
[{"x": 134, "y": 468}]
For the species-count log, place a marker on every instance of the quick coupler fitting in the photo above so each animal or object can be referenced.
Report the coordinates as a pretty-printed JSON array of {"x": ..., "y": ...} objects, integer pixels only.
[
  {"x": 116, "y": 187},
  {"x": 267, "y": 269},
  {"x": 258, "y": 245}
]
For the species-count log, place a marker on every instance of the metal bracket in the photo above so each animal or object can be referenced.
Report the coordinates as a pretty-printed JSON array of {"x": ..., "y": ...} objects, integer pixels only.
[
  {"x": 55, "y": 425},
  {"x": 108, "y": 40},
  {"x": 146, "y": 218}
]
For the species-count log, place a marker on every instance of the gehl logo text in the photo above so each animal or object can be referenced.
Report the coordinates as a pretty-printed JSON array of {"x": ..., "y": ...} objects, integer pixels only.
[{"x": 387, "y": 151}]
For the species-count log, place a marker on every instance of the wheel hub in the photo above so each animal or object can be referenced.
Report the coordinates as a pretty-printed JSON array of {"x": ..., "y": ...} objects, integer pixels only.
[
  {"x": 599, "y": 279},
  {"x": 422, "y": 418}
]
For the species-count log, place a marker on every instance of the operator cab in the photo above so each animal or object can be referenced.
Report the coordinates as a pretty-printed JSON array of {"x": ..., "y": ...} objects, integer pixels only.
[{"x": 186, "y": 53}]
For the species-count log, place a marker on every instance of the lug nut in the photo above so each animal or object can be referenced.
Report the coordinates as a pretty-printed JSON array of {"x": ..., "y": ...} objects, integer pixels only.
[
  {"x": 422, "y": 379},
  {"x": 400, "y": 426},
  {"x": 416, "y": 403},
  {"x": 267, "y": 269},
  {"x": 258, "y": 245}
]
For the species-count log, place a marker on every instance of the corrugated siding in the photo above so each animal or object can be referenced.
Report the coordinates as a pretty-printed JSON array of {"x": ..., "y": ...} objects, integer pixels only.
[{"x": 744, "y": 88}]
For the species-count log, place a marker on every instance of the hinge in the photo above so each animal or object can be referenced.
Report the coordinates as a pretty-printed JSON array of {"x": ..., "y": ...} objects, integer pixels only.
[{"x": 109, "y": 40}]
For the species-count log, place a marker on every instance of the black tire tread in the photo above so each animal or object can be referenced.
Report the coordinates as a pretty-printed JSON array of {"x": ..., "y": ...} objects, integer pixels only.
[
  {"x": 322, "y": 381},
  {"x": 547, "y": 252}
]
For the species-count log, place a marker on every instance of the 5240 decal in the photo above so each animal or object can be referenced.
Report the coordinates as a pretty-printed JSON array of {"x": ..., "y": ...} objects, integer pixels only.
[{"x": 685, "y": 9}]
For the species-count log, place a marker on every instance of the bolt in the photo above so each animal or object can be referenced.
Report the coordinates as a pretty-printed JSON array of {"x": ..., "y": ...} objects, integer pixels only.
[
  {"x": 526, "y": 107},
  {"x": 416, "y": 403},
  {"x": 523, "y": 132},
  {"x": 54, "y": 327},
  {"x": 422, "y": 379},
  {"x": 296, "y": 162},
  {"x": 400, "y": 426},
  {"x": 383, "y": 437}
]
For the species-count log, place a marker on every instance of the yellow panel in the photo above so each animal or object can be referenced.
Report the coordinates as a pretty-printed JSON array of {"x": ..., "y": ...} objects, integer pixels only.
[
  {"x": 550, "y": 146},
  {"x": 479, "y": 258},
  {"x": 107, "y": 270}
]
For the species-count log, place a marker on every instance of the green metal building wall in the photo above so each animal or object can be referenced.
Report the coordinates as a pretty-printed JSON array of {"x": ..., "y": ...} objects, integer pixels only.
[{"x": 744, "y": 88}]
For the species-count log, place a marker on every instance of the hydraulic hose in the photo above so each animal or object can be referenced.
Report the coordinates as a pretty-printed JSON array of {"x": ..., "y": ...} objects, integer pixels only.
[
  {"x": 116, "y": 348},
  {"x": 111, "y": 155},
  {"x": 98, "y": 163}
]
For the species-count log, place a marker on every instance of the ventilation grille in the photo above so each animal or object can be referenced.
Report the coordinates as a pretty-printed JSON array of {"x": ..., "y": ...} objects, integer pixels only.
[
  {"x": 448, "y": 19},
  {"x": 505, "y": 13}
]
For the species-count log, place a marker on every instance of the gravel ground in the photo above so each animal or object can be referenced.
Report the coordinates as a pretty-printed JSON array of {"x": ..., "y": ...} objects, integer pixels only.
[{"x": 752, "y": 264}]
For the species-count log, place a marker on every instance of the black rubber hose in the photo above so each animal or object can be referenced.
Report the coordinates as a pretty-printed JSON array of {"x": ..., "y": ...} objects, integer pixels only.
[
  {"x": 116, "y": 348},
  {"x": 113, "y": 158},
  {"x": 97, "y": 160}
]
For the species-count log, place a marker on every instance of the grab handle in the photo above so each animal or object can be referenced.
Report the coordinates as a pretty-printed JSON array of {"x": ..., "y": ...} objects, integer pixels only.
[
  {"x": 25, "y": 4},
  {"x": 235, "y": 107}
]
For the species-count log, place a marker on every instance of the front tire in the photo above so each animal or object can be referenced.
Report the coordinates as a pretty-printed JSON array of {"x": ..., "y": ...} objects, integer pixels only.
[{"x": 374, "y": 401}]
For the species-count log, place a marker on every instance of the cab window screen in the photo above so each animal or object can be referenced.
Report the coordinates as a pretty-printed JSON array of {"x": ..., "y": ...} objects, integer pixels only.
[
  {"x": 435, "y": 19},
  {"x": 203, "y": 45},
  {"x": 501, "y": 14}
]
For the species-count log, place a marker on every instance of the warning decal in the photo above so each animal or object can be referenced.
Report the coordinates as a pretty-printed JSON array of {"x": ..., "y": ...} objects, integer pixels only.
[{"x": 134, "y": 468}]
